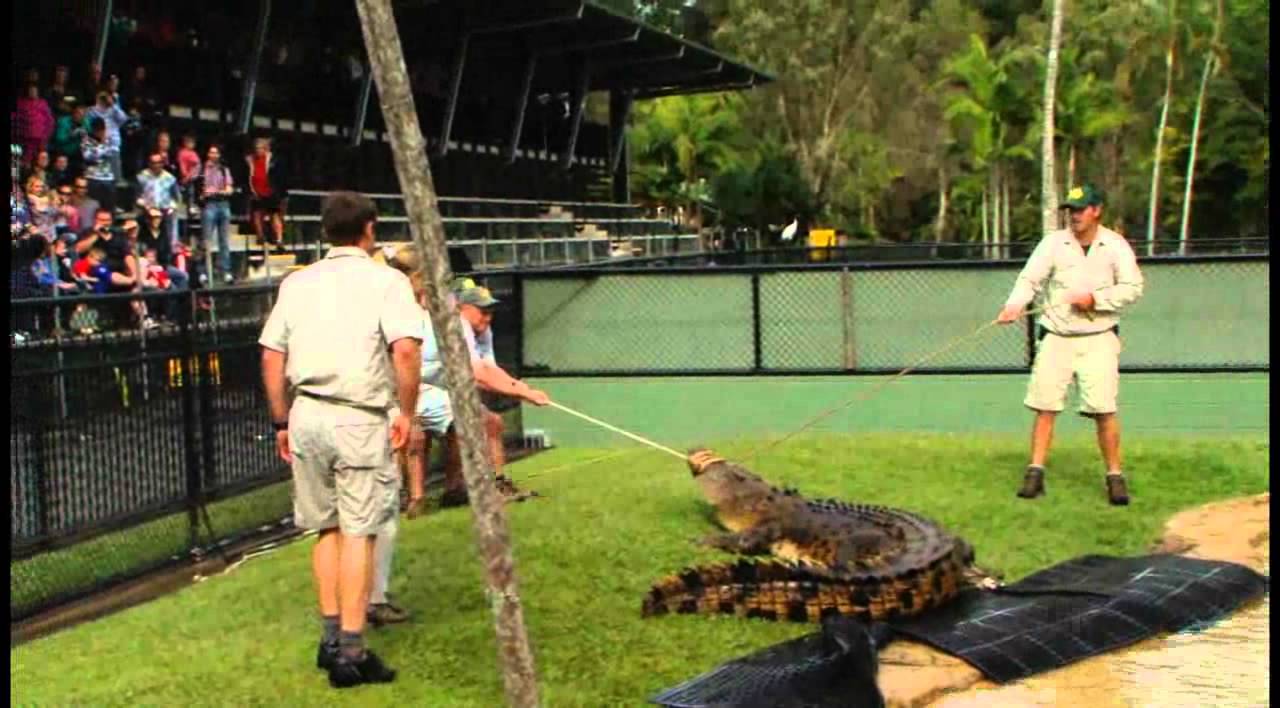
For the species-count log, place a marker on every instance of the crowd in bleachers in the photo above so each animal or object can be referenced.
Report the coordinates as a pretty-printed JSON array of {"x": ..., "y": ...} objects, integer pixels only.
[{"x": 103, "y": 201}]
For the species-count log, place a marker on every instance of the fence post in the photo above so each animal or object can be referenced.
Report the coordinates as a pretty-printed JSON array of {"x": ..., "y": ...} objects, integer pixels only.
[
  {"x": 517, "y": 294},
  {"x": 190, "y": 434},
  {"x": 756, "y": 343},
  {"x": 846, "y": 318},
  {"x": 1031, "y": 340}
]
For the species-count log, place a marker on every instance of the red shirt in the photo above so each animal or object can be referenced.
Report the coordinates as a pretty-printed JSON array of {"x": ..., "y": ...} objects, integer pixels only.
[
  {"x": 261, "y": 187},
  {"x": 188, "y": 163}
]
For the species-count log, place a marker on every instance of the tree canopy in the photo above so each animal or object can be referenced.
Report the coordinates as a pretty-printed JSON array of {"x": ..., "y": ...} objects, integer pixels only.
[{"x": 922, "y": 119}]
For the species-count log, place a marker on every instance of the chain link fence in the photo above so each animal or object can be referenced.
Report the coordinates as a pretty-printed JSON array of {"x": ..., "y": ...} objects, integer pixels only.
[
  {"x": 1201, "y": 313},
  {"x": 121, "y": 437}
]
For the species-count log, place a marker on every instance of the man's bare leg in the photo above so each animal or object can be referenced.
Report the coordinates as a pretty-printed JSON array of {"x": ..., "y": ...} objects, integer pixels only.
[
  {"x": 1042, "y": 437},
  {"x": 493, "y": 428},
  {"x": 354, "y": 579},
  {"x": 325, "y": 559},
  {"x": 416, "y": 463},
  {"x": 1109, "y": 440}
]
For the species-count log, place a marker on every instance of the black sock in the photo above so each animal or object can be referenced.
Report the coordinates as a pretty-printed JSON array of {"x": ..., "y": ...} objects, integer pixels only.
[
  {"x": 330, "y": 629},
  {"x": 352, "y": 644}
]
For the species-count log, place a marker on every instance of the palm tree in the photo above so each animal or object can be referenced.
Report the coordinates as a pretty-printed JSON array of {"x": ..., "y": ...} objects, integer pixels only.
[
  {"x": 1210, "y": 67},
  {"x": 981, "y": 109},
  {"x": 1048, "y": 191}
]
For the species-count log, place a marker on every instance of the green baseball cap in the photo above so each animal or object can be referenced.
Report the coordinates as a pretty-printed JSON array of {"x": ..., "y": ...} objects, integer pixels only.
[
  {"x": 1081, "y": 196},
  {"x": 469, "y": 293}
]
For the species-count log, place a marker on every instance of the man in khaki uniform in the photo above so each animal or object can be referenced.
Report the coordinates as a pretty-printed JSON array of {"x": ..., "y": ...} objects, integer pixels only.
[
  {"x": 344, "y": 333},
  {"x": 1087, "y": 275}
]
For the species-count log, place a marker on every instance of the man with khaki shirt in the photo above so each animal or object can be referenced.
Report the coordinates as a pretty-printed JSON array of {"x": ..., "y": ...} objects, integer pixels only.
[
  {"x": 1087, "y": 275},
  {"x": 344, "y": 333}
]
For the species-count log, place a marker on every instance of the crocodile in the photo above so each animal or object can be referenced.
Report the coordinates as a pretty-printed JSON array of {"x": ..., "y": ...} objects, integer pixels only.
[{"x": 825, "y": 557}]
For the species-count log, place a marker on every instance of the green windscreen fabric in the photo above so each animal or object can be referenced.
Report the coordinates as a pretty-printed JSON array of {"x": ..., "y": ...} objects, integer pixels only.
[{"x": 1206, "y": 314}]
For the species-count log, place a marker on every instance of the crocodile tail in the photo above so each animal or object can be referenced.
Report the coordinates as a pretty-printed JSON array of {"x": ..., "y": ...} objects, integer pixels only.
[
  {"x": 692, "y": 589},
  {"x": 779, "y": 591}
]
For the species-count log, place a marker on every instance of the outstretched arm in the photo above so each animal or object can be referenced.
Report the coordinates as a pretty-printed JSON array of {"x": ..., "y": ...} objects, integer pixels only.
[{"x": 493, "y": 378}]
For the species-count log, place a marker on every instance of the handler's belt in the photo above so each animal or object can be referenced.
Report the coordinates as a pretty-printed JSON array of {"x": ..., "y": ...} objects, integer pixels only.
[{"x": 1041, "y": 332}]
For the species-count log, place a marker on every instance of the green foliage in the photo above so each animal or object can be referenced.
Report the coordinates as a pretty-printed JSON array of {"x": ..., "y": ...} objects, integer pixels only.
[{"x": 875, "y": 99}]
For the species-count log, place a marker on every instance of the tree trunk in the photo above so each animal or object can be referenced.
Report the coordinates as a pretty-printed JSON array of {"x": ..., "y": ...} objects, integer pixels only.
[
  {"x": 1210, "y": 66},
  {"x": 386, "y": 58},
  {"x": 985, "y": 233},
  {"x": 1153, "y": 208},
  {"x": 1191, "y": 158},
  {"x": 1008, "y": 219},
  {"x": 1071, "y": 166},
  {"x": 940, "y": 223},
  {"x": 993, "y": 184},
  {"x": 1049, "y": 191}
]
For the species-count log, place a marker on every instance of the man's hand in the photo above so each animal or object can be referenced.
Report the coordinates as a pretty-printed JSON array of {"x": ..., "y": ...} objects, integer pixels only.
[
  {"x": 1081, "y": 300},
  {"x": 282, "y": 446},
  {"x": 401, "y": 426},
  {"x": 1009, "y": 313},
  {"x": 537, "y": 398}
]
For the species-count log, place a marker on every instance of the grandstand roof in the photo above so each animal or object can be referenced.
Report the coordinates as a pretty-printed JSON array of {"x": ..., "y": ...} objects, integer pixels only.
[{"x": 618, "y": 52}]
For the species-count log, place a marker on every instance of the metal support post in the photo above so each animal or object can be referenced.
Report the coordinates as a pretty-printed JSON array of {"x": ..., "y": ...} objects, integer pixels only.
[
  {"x": 362, "y": 107},
  {"x": 455, "y": 88},
  {"x": 757, "y": 344},
  {"x": 619, "y": 112},
  {"x": 579, "y": 108},
  {"x": 846, "y": 310},
  {"x": 522, "y": 104},
  {"x": 245, "y": 119},
  {"x": 100, "y": 41}
]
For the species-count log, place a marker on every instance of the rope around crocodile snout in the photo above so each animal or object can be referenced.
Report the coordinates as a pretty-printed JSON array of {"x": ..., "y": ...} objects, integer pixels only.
[{"x": 813, "y": 421}]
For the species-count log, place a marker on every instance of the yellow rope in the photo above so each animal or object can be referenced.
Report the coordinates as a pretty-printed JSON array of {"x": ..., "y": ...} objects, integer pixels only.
[
  {"x": 618, "y": 430},
  {"x": 867, "y": 394},
  {"x": 875, "y": 389}
]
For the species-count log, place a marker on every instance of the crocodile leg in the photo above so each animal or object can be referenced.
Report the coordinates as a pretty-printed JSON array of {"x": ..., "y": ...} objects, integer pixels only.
[{"x": 754, "y": 541}]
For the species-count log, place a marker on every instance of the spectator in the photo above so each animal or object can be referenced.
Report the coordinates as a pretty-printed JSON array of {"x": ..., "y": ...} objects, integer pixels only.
[
  {"x": 67, "y": 280},
  {"x": 41, "y": 208},
  {"x": 69, "y": 221},
  {"x": 161, "y": 143},
  {"x": 158, "y": 192},
  {"x": 69, "y": 131},
  {"x": 93, "y": 271},
  {"x": 269, "y": 192},
  {"x": 59, "y": 172},
  {"x": 107, "y": 108},
  {"x": 100, "y": 159},
  {"x": 60, "y": 86},
  {"x": 23, "y": 281},
  {"x": 33, "y": 124},
  {"x": 143, "y": 96},
  {"x": 119, "y": 259},
  {"x": 40, "y": 168},
  {"x": 216, "y": 187},
  {"x": 188, "y": 165},
  {"x": 85, "y": 205},
  {"x": 93, "y": 82}
]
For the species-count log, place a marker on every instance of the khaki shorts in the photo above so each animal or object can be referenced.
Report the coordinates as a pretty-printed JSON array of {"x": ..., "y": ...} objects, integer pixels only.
[
  {"x": 1093, "y": 361},
  {"x": 344, "y": 475}
]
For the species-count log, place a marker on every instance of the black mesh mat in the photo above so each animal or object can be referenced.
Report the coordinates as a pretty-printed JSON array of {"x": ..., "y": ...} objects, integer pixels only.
[
  {"x": 1069, "y": 612},
  {"x": 1083, "y": 607},
  {"x": 833, "y": 668}
]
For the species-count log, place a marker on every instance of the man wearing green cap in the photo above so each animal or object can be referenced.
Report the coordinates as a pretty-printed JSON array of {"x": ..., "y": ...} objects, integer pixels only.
[
  {"x": 475, "y": 307},
  {"x": 1085, "y": 275}
]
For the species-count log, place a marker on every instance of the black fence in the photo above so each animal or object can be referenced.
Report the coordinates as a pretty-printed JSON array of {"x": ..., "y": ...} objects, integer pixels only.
[
  {"x": 914, "y": 252},
  {"x": 137, "y": 447},
  {"x": 123, "y": 439}
]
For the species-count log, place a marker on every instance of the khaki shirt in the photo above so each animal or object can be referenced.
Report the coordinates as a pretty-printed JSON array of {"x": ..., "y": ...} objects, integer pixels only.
[
  {"x": 1059, "y": 267},
  {"x": 336, "y": 320}
]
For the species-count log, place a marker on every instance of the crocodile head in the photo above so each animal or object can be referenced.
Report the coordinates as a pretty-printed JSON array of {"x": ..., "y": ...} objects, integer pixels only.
[{"x": 741, "y": 499}]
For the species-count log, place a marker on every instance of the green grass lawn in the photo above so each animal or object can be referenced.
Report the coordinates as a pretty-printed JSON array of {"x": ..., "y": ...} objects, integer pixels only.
[{"x": 587, "y": 553}]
